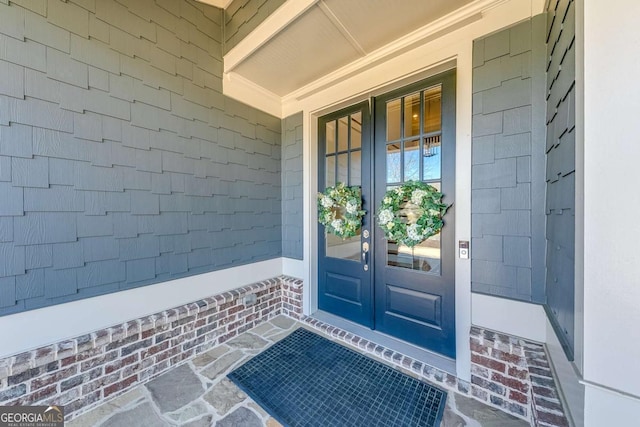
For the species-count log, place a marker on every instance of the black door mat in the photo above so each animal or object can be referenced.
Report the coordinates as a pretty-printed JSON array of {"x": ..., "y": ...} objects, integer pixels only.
[{"x": 308, "y": 380}]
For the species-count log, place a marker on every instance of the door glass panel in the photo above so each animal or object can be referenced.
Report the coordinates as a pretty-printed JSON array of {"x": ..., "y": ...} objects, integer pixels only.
[
  {"x": 432, "y": 158},
  {"x": 343, "y": 133},
  {"x": 394, "y": 118},
  {"x": 344, "y": 249},
  {"x": 356, "y": 131},
  {"x": 433, "y": 109},
  {"x": 330, "y": 137},
  {"x": 424, "y": 257},
  {"x": 415, "y": 157},
  {"x": 330, "y": 171},
  {"x": 337, "y": 247},
  {"x": 412, "y": 160},
  {"x": 411, "y": 115},
  {"x": 343, "y": 168},
  {"x": 356, "y": 168},
  {"x": 343, "y": 163},
  {"x": 394, "y": 163}
]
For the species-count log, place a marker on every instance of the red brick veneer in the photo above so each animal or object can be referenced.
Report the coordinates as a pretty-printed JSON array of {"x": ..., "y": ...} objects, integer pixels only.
[
  {"x": 514, "y": 374},
  {"x": 80, "y": 372}
]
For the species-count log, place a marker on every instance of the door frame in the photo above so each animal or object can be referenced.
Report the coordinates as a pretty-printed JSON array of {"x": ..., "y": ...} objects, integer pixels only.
[{"x": 425, "y": 62}]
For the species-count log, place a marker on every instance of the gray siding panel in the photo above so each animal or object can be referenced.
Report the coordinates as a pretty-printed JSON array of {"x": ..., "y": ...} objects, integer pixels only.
[
  {"x": 292, "y": 232},
  {"x": 243, "y": 16},
  {"x": 560, "y": 171},
  {"x": 121, "y": 162},
  {"x": 508, "y": 144}
]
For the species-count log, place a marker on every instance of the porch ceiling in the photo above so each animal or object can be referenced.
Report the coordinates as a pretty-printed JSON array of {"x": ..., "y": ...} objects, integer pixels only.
[{"x": 323, "y": 36}]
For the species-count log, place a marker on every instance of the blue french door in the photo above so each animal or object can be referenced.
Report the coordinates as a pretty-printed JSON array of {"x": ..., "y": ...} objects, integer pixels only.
[
  {"x": 344, "y": 280},
  {"x": 415, "y": 141},
  {"x": 404, "y": 292}
]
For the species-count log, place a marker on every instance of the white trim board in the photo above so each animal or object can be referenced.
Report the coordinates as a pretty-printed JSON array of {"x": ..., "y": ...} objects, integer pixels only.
[
  {"x": 36, "y": 328},
  {"x": 221, "y": 4},
  {"x": 516, "y": 318}
]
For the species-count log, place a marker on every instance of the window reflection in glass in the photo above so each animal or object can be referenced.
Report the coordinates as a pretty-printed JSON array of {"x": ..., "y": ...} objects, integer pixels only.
[
  {"x": 330, "y": 137},
  {"x": 412, "y": 115},
  {"x": 433, "y": 109},
  {"x": 394, "y": 118},
  {"x": 394, "y": 163},
  {"x": 343, "y": 133},
  {"x": 356, "y": 130},
  {"x": 412, "y": 160}
]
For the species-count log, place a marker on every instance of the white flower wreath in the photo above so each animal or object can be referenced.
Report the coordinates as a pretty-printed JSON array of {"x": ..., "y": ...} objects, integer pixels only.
[
  {"x": 340, "y": 210},
  {"x": 427, "y": 203}
]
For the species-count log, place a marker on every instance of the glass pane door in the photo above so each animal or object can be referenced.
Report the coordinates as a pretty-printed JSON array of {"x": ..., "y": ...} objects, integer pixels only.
[
  {"x": 343, "y": 162},
  {"x": 413, "y": 138}
]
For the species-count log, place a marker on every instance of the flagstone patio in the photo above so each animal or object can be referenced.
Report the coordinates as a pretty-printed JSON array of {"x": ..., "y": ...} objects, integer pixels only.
[{"x": 197, "y": 393}]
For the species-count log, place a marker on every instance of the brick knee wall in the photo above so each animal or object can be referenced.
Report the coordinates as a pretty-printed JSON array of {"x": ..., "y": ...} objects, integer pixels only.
[
  {"x": 80, "y": 372},
  {"x": 514, "y": 374}
]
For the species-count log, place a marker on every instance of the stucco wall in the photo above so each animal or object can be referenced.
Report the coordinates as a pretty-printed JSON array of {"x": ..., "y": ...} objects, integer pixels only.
[{"x": 121, "y": 162}]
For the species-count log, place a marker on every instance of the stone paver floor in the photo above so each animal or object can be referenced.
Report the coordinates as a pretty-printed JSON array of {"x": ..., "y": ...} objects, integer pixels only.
[{"x": 198, "y": 394}]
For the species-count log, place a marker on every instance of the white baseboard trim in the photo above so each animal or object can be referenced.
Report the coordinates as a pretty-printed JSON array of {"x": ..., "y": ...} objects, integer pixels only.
[
  {"x": 511, "y": 317},
  {"x": 36, "y": 328},
  {"x": 293, "y": 267}
]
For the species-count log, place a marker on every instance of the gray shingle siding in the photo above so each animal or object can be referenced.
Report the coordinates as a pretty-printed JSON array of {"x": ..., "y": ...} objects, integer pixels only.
[
  {"x": 121, "y": 162},
  {"x": 292, "y": 232},
  {"x": 507, "y": 253},
  {"x": 560, "y": 171},
  {"x": 243, "y": 16}
]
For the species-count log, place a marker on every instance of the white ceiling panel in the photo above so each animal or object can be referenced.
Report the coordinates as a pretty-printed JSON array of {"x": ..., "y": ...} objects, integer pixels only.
[
  {"x": 309, "y": 48},
  {"x": 332, "y": 34},
  {"x": 375, "y": 23}
]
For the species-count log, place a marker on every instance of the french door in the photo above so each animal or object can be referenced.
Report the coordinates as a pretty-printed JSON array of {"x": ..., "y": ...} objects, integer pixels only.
[{"x": 404, "y": 292}]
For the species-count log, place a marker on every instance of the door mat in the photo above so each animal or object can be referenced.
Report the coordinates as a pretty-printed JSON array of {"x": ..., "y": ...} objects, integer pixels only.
[{"x": 308, "y": 380}]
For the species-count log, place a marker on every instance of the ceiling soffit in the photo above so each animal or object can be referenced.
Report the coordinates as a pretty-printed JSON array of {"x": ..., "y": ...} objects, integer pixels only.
[{"x": 307, "y": 45}]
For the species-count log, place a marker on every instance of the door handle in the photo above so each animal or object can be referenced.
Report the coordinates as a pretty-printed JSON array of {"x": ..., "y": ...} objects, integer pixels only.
[{"x": 365, "y": 255}]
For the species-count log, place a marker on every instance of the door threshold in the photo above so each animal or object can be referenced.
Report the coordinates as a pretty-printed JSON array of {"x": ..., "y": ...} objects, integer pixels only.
[{"x": 425, "y": 356}]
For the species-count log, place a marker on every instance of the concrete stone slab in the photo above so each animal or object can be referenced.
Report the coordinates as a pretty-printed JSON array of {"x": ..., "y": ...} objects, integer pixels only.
[
  {"x": 258, "y": 409},
  {"x": 283, "y": 322},
  {"x": 189, "y": 412},
  {"x": 200, "y": 422},
  {"x": 240, "y": 417},
  {"x": 209, "y": 356},
  {"x": 248, "y": 341},
  {"x": 224, "y": 396},
  {"x": 176, "y": 388},
  {"x": 451, "y": 419},
  {"x": 222, "y": 364},
  {"x": 276, "y": 335},
  {"x": 105, "y": 410},
  {"x": 485, "y": 415},
  {"x": 142, "y": 416},
  {"x": 261, "y": 329},
  {"x": 271, "y": 422}
]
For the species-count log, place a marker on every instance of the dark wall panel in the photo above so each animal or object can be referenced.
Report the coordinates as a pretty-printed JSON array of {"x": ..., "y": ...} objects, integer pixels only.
[
  {"x": 292, "y": 209},
  {"x": 560, "y": 171},
  {"x": 507, "y": 247},
  {"x": 121, "y": 162}
]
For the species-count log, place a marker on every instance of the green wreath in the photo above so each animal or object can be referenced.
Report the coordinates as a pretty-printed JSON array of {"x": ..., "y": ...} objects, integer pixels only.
[
  {"x": 412, "y": 213},
  {"x": 340, "y": 210}
]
